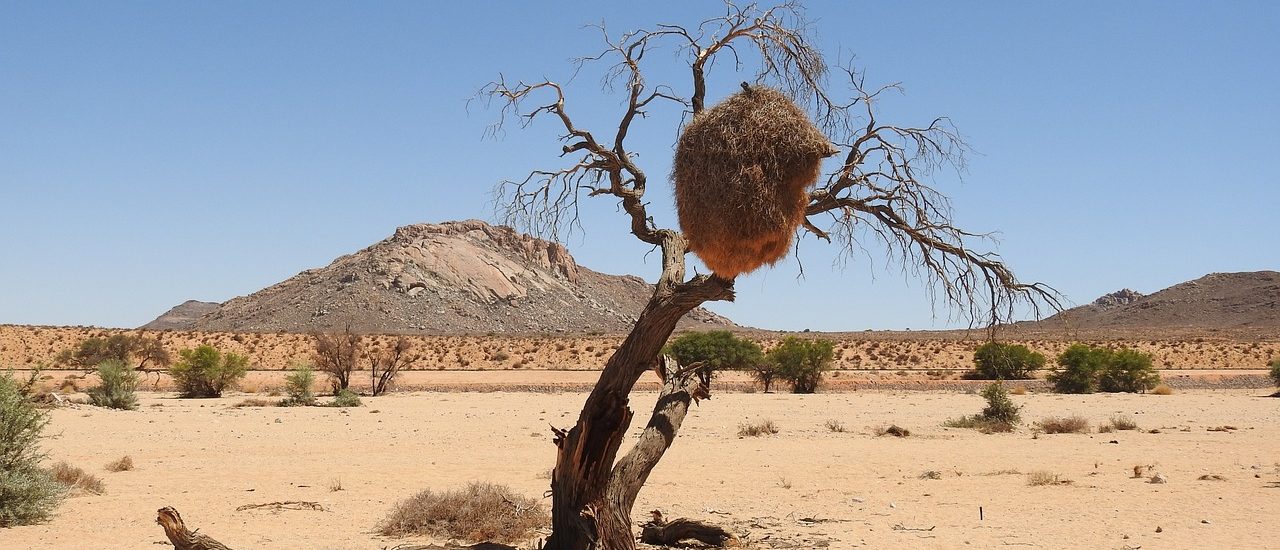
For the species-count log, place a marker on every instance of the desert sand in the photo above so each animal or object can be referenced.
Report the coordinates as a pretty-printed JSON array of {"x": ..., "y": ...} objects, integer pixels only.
[{"x": 805, "y": 487}]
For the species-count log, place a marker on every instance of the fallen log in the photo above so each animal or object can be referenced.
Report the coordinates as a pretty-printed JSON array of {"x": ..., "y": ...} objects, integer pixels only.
[
  {"x": 663, "y": 532},
  {"x": 181, "y": 537}
]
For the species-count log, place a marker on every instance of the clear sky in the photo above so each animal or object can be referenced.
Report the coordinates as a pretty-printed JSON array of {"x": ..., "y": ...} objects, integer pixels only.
[{"x": 154, "y": 152}]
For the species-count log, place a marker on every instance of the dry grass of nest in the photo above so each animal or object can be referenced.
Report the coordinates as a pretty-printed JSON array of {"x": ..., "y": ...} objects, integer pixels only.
[
  {"x": 480, "y": 512},
  {"x": 742, "y": 173},
  {"x": 76, "y": 479}
]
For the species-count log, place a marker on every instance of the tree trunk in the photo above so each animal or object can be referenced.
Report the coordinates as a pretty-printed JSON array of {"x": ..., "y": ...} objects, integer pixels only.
[{"x": 588, "y": 512}]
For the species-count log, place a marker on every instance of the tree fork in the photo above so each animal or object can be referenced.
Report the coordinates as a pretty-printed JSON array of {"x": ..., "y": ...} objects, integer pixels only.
[{"x": 588, "y": 510}]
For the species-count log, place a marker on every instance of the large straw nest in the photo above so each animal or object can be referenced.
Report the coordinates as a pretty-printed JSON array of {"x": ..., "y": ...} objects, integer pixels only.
[{"x": 742, "y": 173}]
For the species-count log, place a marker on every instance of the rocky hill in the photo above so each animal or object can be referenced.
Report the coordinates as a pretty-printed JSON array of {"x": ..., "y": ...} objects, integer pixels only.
[
  {"x": 1216, "y": 301},
  {"x": 182, "y": 316},
  {"x": 465, "y": 277}
]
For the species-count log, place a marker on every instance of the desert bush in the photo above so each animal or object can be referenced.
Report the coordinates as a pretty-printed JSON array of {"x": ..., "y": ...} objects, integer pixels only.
[
  {"x": 75, "y": 478},
  {"x": 481, "y": 512},
  {"x": 206, "y": 372},
  {"x": 1121, "y": 422},
  {"x": 757, "y": 429},
  {"x": 999, "y": 406},
  {"x": 117, "y": 386},
  {"x": 123, "y": 464},
  {"x": 297, "y": 386},
  {"x": 1000, "y": 414},
  {"x": 719, "y": 349},
  {"x": 996, "y": 361},
  {"x": 1128, "y": 370},
  {"x": 801, "y": 362},
  {"x": 893, "y": 430},
  {"x": 336, "y": 355},
  {"x": 835, "y": 426},
  {"x": 345, "y": 398},
  {"x": 1039, "y": 478},
  {"x": 1078, "y": 368},
  {"x": 1086, "y": 369},
  {"x": 28, "y": 494},
  {"x": 1075, "y": 424},
  {"x": 91, "y": 352},
  {"x": 1275, "y": 371}
]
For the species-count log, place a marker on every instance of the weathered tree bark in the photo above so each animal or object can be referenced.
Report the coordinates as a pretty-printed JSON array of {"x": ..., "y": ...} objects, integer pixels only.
[
  {"x": 660, "y": 531},
  {"x": 592, "y": 498},
  {"x": 181, "y": 537}
]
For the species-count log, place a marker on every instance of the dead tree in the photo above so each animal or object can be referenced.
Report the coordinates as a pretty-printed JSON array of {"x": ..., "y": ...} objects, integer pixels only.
[
  {"x": 335, "y": 354},
  {"x": 384, "y": 366},
  {"x": 876, "y": 191}
]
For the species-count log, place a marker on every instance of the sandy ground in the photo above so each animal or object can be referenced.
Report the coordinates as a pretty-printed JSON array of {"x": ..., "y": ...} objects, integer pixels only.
[{"x": 206, "y": 458}]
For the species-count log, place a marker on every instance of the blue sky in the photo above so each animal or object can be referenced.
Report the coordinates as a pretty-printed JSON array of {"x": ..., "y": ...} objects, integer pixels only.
[{"x": 153, "y": 152}]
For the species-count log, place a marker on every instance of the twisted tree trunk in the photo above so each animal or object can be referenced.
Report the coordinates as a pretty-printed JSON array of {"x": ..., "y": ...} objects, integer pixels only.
[{"x": 591, "y": 497}]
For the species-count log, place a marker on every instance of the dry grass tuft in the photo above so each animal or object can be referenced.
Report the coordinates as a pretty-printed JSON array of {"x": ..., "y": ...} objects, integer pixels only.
[
  {"x": 1075, "y": 424},
  {"x": 1041, "y": 477},
  {"x": 1018, "y": 390},
  {"x": 893, "y": 430},
  {"x": 835, "y": 426},
  {"x": 124, "y": 464},
  {"x": 1162, "y": 390},
  {"x": 481, "y": 512},
  {"x": 742, "y": 170},
  {"x": 978, "y": 422},
  {"x": 256, "y": 402},
  {"x": 756, "y": 429},
  {"x": 76, "y": 478},
  {"x": 1122, "y": 422}
]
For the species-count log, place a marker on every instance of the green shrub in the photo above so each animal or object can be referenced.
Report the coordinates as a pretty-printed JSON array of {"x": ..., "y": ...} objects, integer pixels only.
[
  {"x": 205, "y": 371},
  {"x": 1086, "y": 369},
  {"x": 118, "y": 384},
  {"x": 996, "y": 361},
  {"x": 345, "y": 398},
  {"x": 719, "y": 349},
  {"x": 1078, "y": 369},
  {"x": 801, "y": 362},
  {"x": 999, "y": 406},
  {"x": 297, "y": 385},
  {"x": 1275, "y": 370},
  {"x": 1128, "y": 370},
  {"x": 1000, "y": 414},
  {"x": 28, "y": 494}
]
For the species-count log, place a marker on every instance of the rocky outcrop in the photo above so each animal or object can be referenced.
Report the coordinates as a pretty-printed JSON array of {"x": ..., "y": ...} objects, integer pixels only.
[
  {"x": 1216, "y": 301},
  {"x": 182, "y": 316},
  {"x": 448, "y": 278}
]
